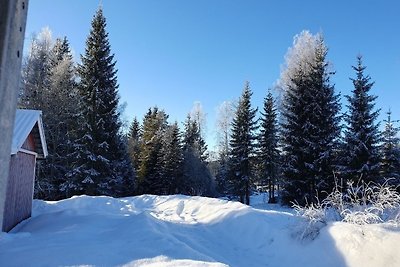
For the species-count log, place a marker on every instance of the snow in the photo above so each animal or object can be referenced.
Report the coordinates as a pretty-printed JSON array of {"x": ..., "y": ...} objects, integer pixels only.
[{"x": 187, "y": 231}]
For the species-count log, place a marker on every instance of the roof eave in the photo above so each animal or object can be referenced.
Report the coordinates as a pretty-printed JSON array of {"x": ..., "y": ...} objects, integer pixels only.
[{"x": 42, "y": 137}]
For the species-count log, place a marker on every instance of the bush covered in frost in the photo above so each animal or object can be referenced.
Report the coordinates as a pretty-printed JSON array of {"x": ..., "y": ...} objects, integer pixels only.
[{"x": 361, "y": 203}]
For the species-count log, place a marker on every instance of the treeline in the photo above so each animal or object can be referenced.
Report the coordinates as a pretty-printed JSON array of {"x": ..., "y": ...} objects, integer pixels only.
[
  {"x": 167, "y": 161},
  {"x": 303, "y": 142},
  {"x": 81, "y": 115},
  {"x": 300, "y": 141},
  {"x": 88, "y": 151}
]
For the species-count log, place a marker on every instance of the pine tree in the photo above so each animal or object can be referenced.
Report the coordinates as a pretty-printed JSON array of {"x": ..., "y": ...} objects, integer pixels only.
[
  {"x": 310, "y": 130},
  {"x": 361, "y": 140},
  {"x": 390, "y": 165},
  {"x": 242, "y": 146},
  {"x": 103, "y": 165},
  {"x": 268, "y": 146}
]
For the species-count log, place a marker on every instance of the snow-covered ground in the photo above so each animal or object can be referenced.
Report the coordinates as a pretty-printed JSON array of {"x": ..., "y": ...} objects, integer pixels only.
[{"x": 186, "y": 231}]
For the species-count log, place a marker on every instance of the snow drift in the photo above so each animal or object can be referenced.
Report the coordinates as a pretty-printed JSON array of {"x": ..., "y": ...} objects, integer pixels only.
[{"x": 186, "y": 231}]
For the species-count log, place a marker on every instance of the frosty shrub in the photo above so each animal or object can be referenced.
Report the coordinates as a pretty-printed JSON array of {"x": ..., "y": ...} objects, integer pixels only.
[
  {"x": 364, "y": 203},
  {"x": 396, "y": 220},
  {"x": 314, "y": 219},
  {"x": 361, "y": 203}
]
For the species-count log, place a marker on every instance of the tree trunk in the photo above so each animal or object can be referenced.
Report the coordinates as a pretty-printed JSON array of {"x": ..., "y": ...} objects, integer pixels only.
[{"x": 247, "y": 193}]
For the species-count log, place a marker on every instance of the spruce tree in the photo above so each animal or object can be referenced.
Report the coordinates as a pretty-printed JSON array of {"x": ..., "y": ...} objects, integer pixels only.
[
  {"x": 150, "y": 179},
  {"x": 390, "y": 165},
  {"x": 197, "y": 178},
  {"x": 361, "y": 136},
  {"x": 103, "y": 165},
  {"x": 61, "y": 119},
  {"x": 310, "y": 130},
  {"x": 326, "y": 120},
  {"x": 222, "y": 175},
  {"x": 268, "y": 146},
  {"x": 293, "y": 139},
  {"x": 172, "y": 153},
  {"x": 242, "y": 146},
  {"x": 192, "y": 138},
  {"x": 134, "y": 138}
]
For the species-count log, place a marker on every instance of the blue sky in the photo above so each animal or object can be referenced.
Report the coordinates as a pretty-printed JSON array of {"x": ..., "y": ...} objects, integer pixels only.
[{"x": 173, "y": 53}]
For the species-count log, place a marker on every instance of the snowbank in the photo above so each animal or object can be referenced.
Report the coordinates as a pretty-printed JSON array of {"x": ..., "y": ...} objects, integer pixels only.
[{"x": 185, "y": 231}]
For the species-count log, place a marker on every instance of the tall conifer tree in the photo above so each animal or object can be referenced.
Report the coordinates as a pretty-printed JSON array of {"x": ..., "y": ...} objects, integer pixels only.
[
  {"x": 103, "y": 165},
  {"x": 242, "y": 146},
  {"x": 390, "y": 165},
  {"x": 150, "y": 180},
  {"x": 61, "y": 120},
  {"x": 172, "y": 155},
  {"x": 196, "y": 175},
  {"x": 134, "y": 138},
  {"x": 310, "y": 129},
  {"x": 268, "y": 146},
  {"x": 362, "y": 137}
]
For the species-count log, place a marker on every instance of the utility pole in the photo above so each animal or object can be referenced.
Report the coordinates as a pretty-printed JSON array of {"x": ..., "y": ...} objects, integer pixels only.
[{"x": 13, "y": 14}]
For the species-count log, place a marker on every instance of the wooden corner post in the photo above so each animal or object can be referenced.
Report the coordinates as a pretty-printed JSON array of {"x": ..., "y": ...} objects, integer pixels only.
[{"x": 13, "y": 14}]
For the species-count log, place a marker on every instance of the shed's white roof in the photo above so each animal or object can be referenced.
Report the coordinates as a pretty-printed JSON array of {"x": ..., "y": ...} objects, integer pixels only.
[{"x": 25, "y": 121}]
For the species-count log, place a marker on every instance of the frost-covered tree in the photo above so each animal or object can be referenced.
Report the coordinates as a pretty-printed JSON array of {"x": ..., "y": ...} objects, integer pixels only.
[
  {"x": 390, "y": 151},
  {"x": 103, "y": 165},
  {"x": 310, "y": 126},
  {"x": 242, "y": 146},
  {"x": 361, "y": 136},
  {"x": 60, "y": 120},
  {"x": 269, "y": 156},
  {"x": 198, "y": 115},
  {"x": 34, "y": 95},
  {"x": 225, "y": 114},
  {"x": 49, "y": 85},
  {"x": 297, "y": 60},
  {"x": 36, "y": 72}
]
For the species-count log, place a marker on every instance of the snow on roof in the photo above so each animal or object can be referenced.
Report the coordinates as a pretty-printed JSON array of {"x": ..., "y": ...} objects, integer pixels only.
[{"x": 25, "y": 121}]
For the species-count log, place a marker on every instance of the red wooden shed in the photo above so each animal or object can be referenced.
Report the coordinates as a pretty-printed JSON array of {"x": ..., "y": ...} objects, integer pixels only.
[{"x": 28, "y": 144}]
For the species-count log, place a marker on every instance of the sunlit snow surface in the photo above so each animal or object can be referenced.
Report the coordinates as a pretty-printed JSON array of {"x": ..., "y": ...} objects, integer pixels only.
[{"x": 186, "y": 231}]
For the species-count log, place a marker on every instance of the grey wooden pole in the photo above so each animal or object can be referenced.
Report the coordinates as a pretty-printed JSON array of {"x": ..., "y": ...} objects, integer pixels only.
[{"x": 13, "y": 14}]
